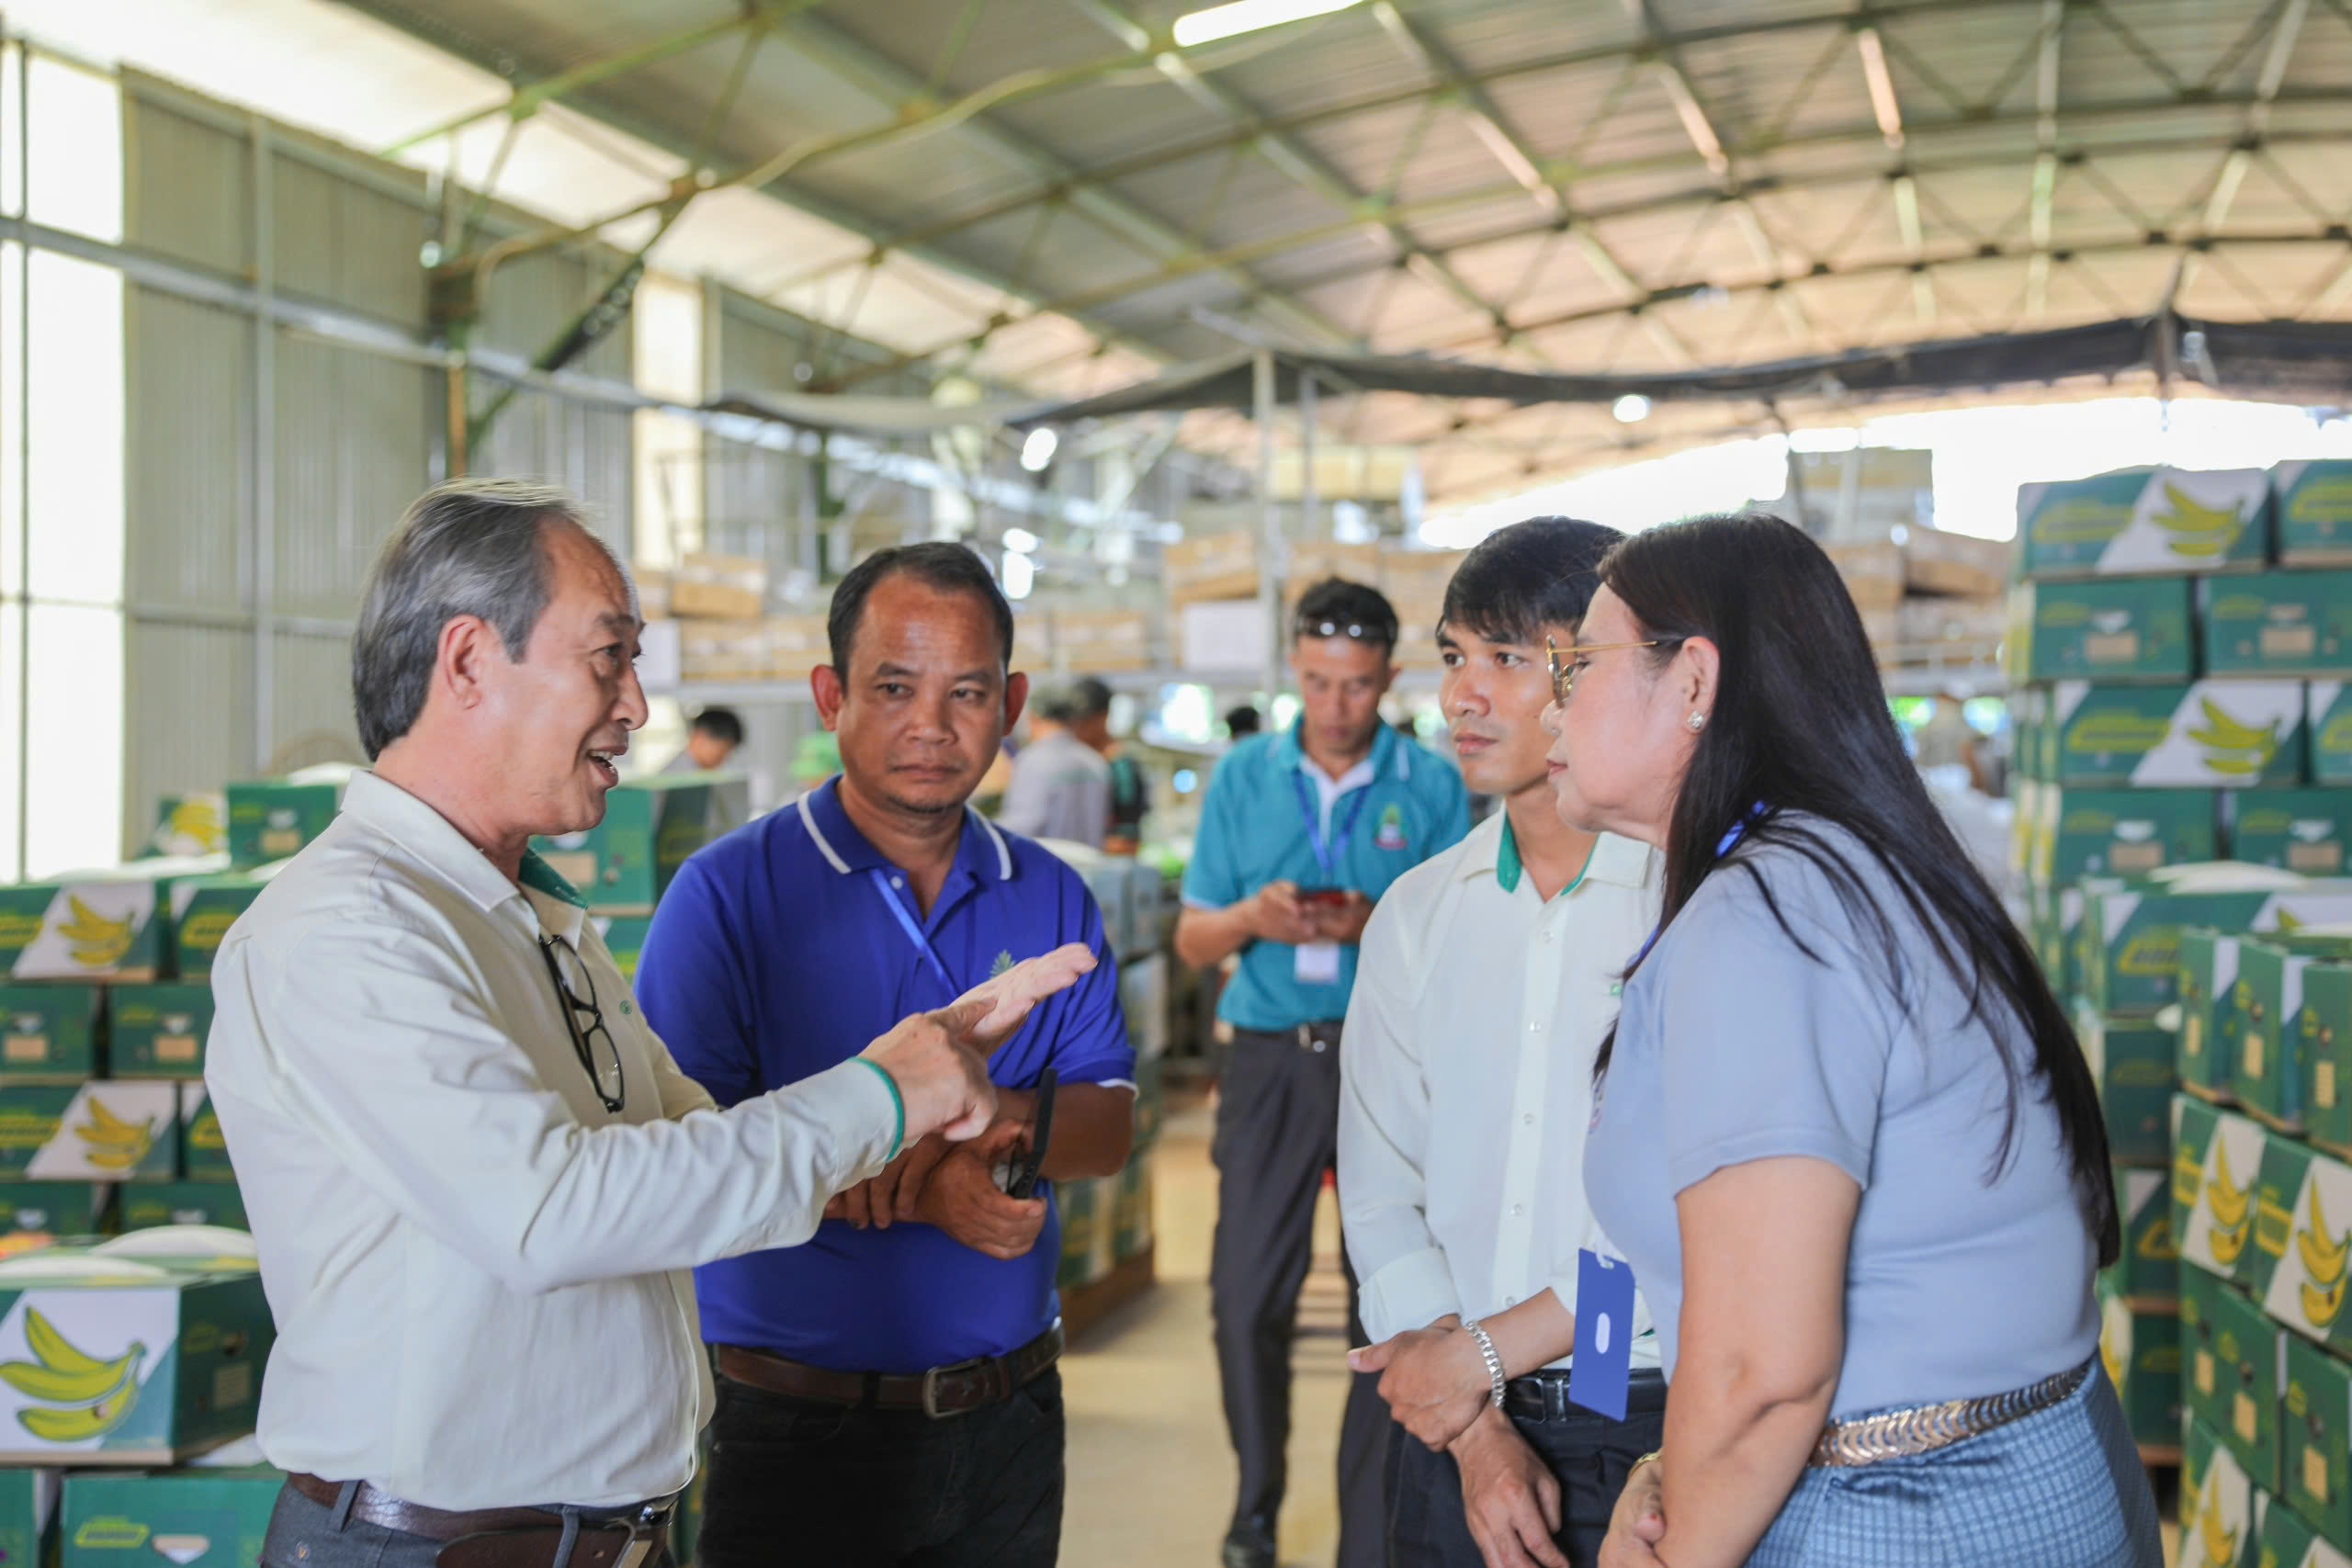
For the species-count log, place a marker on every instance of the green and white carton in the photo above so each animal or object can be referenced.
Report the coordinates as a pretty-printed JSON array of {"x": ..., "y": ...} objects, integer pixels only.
[
  {"x": 2328, "y": 721},
  {"x": 29, "y": 1515},
  {"x": 2278, "y": 1188},
  {"x": 136, "y": 1352},
  {"x": 157, "y": 1031},
  {"x": 2326, "y": 1028},
  {"x": 2130, "y": 937},
  {"x": 2210, "y": 734},
  {"x": 2119, "y": 832},
  {"x": 94, "y": 925},
  {"x": 2215, "y": 1169},
  {"x": 2303, "y": 830},
  {"x": 2221, "y": 1512},
  {"x": 650, "y": 826},
  {"x": 2145, "y": 521},
  {"x": 49, "y": 1028},
  {"x": 191, "y": 825},
  {"x": 108, "y": 1130},
  {"x": 215, "y": 1203},
  {"x": 204, "y": 908},
  {"x": 205, "y": 1151},
  {"x": 2141, "y": 1350},
  {"x": 191, "y": 1518},
  {"x": 2289, "y": 1540},
  {"x": 54, "y": 1209},
  {"x": 2131, "y": 1063},
  {"x": 2148, "y": 1274},
  {"x": 2233, "y": 1363},
  {"x": 2316, "y": 1479},
  {"x": 271, "y": 820},
  {"x": 2278, "y": 623},
  {"x": 2276, "y": 1029},
  {"x": 2306, "y": 1288},
  {"x": 2104, "y": 629},
  {"x": 2313, "y": 502}
]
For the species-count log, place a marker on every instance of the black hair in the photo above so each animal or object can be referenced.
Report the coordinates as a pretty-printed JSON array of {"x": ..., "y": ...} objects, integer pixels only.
[
  {"x": 1800, "y": 725},
  {"x": 937, "y": 563},
  {"x": 1520, "y": 579},
  {"x": 723, "y": 725},
  {"x": 1337, "y": 601},
  {"x": 1086, "y": 697},
  {"x": 1241, "y": 720}
]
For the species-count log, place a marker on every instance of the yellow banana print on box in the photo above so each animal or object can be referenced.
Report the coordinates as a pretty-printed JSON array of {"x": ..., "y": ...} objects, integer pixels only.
[
  {"x": 2199, "y": 532},
  {"x": 2325, "y": 1257},
  {"x": 96, "y": 941},
  {"x": 115, "y": 1143},
  {"x": 2230, "y": 745},
  {"x": 2220, "y": 1546},
  {"x": 81, "y": 1396},
  {"x": 2232, "y": 1207}
]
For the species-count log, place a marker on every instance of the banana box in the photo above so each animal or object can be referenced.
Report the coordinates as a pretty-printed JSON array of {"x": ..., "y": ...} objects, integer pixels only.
[
  {"x": 2317, "y": 1479},
  {"x": 161, "y": 1203},
  {"x": 36, "y": 1213},
  {"x": 50, "y": 1029},
  {"x": 2025, "y": 816},
  {"x": 2302, "y": 830},
  {"x": 2289, "y": 1540},
  {"x": 1131, "y": 1211},
  {"x": 2131, "y": 1063},
  {"x": 271, "y": 820},
  {"x": 2130, "y": 938},
  {"x": 2213, "y": 734},
  {"x": 2119, "y": 832},
  {"x": 112, "y": 1130},
  {"x": 1151, "y": 1102},
  {"x": 2233, "y": 1364},
  {"x": 97, "y": 925},
  {"x": 2306, "y": 1287},
  {"x": 204, "y": 1149},
  {"x": 2145, "y": 521},
  {"x": 2141, "y": 1350},
  {"x": 2208, "y": 977},
  {"x": 157, "y": 1031},
  {"x": 2312, "y": 506},
  {"x": 29, "y": 1515},
  {"x": 2029, "y": 715},
  {"x": 190, "y": 825},
  {"x": 204, "y": 908},
  {"x": 2325, "y": 1027},
  {"x": 2147, "y": 1276},
  {"x": 2221, "y": 1512},
  {"x": 2278, "y": 1032},
  {"x": 116, "y": 1358},
  {"x": 2111, "y": 629},
  {"x": 2328, "y": 719},
  {"x": 2213, "y": 1200},
  {"x": 191, "y": 1518},
  {"x": 2279, "y": 1185},
  {"x": 2063, "y": 957},
  {"x": 650, "y": 826},
  {"x": 2278, "y": 623},
  {"x": 624, "y": 938}
]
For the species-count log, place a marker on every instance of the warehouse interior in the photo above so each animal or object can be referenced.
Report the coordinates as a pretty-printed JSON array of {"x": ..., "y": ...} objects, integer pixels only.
[{"x": 1170, "y": 311}]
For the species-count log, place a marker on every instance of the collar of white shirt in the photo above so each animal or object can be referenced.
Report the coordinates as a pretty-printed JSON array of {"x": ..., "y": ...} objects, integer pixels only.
[
  {"x": 1626, "y": 862},
  {"x": 435, "y": 840}
]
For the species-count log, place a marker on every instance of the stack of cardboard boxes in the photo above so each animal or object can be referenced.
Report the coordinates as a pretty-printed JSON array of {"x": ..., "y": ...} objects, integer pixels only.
[
  {"x": 624, "y": 865},
  {"x": 1212, "y": 586},
  {"x": 724, "y": 630},
  {"x": 1925, "y": 594}
]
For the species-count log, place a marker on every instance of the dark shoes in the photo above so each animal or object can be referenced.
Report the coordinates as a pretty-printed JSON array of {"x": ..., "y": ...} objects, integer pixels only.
[{"x": 1249, "y": 1543}]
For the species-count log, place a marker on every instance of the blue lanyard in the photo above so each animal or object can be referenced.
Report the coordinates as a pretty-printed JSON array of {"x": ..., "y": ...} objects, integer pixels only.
[
  {"x": 1327, "y": 856},
  {"x": 1738, "y": 832},
  {"x": 914, "y": 931}
]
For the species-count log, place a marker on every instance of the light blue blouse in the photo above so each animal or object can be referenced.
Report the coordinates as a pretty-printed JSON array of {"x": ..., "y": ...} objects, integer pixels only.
[{"x": 1735, "y": 1045}]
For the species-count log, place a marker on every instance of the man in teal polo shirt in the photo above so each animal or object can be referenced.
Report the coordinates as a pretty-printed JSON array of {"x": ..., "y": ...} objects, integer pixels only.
[{"x": 1302, "y": 830}]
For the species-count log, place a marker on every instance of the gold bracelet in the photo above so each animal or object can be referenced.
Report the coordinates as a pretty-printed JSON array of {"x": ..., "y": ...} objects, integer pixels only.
[{"x": 1653, "y": 1456}]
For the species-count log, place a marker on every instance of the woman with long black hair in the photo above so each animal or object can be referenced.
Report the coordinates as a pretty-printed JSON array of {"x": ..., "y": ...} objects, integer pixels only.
[{"x": 1844, "y": 1133}]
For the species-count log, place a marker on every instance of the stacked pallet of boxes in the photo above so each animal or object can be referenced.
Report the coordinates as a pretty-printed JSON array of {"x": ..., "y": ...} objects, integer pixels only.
[
  {"x": 623, "y": 866},
  {"x": 1106, "y": 1222},
  {"x": 1212, "y": 587},
  {"x": 719, "y": 604},
  {"x": 2168, "y": 645},
  {"x": 1925, "y": 594}
]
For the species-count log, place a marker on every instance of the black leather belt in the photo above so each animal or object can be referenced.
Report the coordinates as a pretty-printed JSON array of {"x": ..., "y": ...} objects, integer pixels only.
[
  {"x": 1323, "y": 1035},
  {"x": 941, "y": 1392},
  {"x": 508, "y": 1537},
  {"x": 1544, "y": 1396}
]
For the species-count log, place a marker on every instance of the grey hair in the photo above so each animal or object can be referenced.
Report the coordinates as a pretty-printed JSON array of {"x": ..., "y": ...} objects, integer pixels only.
[{"x": 468, "y": 547}]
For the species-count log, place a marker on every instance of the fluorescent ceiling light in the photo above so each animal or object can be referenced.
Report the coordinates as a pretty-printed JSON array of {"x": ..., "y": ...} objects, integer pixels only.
[
  {"x": 1020, "y": 540},
  {"x": 1247, "y": 16},
  {"x": 1631, "y": 409},
  {"x": 1020, "y": 575},
  {"x": 1038, "y": 450}
]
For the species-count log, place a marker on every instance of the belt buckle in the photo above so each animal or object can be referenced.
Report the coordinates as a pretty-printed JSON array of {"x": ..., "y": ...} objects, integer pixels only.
[
  {"x": 930, "y": 1386},
  {"x": 644, "y": 1535}
]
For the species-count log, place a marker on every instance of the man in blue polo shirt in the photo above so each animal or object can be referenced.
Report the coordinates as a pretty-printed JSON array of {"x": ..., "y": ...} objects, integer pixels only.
[
  {"x": 1302, "y": 830},
  {"x": 887, "y": 1392}
]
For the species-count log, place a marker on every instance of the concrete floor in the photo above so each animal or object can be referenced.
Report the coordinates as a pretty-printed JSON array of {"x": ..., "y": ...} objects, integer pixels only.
[{"x": 1151, "y": 1475}]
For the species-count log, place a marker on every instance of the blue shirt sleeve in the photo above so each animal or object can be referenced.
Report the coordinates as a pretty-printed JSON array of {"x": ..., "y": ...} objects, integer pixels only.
[
  {"x": 692, "y": 982},
  {"x": 1769, "y": 1052},
  {"x": 1213, "y": 878},
  {"x": 1091, "y": 1038}
]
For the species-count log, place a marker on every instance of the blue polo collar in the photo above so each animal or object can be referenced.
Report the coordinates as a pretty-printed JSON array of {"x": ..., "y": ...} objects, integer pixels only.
[
  {"x": 982, "y": 852},
  {"x": 1388, "y": 748}
]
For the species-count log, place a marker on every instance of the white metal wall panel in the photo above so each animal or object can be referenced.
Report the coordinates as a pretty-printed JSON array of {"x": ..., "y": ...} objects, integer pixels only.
[
  {"x": 585, "y": 449},
  {"x": 343, "y": 242},
  {"x": 189, "y": 705},
  {"x": 312, "y": 713},
  {"x": 187, "y": 186},
  {"x": 188, "y": 423},
  {"x": 353, "y": 449}
]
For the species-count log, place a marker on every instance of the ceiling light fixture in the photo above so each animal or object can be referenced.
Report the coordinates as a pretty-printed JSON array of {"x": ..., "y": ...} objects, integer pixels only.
[
  {"x": 1021, "y": 540},
  {"x": 1631, "y": 409},
  {"x": 1248, "y": 17},
  {"x": 1038, "y": 449}
]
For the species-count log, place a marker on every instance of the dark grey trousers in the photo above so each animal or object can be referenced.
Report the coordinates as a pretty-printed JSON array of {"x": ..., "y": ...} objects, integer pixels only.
[
  {"x": 1277, "y": 1132},
  {"x": 306, "y": 1534}
]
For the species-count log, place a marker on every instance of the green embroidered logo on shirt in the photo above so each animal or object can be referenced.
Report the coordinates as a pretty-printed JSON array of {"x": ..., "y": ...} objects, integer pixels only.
[
  {"x": 1003, "y": 961},
  {"x": 1390, "y": 835}
]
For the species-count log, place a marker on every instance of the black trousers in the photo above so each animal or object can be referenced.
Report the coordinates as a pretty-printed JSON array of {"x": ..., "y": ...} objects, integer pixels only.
[
  {"x": 1589, "y": 1454},
  {"x": 796, "y": 1483},
  {"x": 1277, "y": 1132}
]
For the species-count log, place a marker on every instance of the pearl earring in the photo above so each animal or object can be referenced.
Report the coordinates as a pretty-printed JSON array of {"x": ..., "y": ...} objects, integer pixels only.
[{"x": 1697, "y": 721}]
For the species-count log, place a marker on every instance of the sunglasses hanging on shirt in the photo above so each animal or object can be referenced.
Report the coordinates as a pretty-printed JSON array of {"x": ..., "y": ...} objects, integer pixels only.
[{"x": 586, "y": 1021}]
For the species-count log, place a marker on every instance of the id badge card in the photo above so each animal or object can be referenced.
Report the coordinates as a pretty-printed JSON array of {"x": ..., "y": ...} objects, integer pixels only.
[
  {"x": 1599, "y": 1376},
  {"x": 1318, "y": 963}
]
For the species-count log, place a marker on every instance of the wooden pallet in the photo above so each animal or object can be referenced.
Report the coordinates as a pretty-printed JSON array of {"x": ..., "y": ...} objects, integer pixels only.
[
  {"x": 2160, "y": 1456},
  {"x": 1085, "y": 1305}
]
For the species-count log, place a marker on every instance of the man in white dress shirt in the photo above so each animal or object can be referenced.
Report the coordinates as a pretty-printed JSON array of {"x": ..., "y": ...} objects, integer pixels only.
[
  {"x": 475, "y": 1175},
  {"x": 1489, "y": 974}
]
